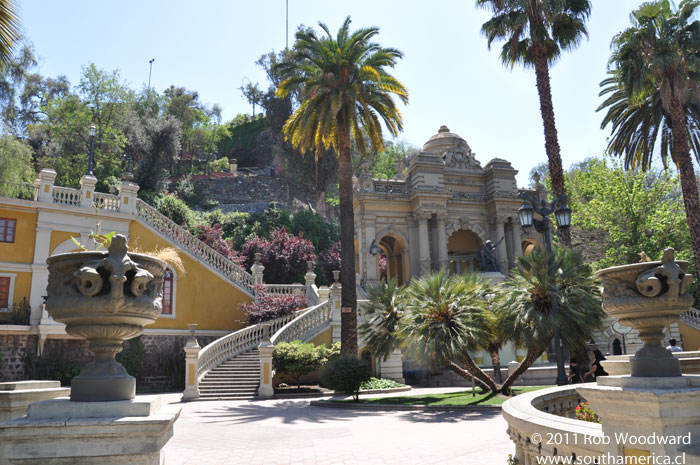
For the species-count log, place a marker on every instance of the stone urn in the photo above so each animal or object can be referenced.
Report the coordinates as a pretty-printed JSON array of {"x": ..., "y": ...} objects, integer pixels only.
[
  {"x": 648, "y": 297},
  {"x": 106, "y": 298}
]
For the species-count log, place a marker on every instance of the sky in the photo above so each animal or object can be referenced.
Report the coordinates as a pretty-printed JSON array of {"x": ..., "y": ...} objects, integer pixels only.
[{"x": 453, "y": 79}]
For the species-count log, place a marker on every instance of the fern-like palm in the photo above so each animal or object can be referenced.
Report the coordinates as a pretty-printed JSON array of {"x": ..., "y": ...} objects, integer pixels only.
[
  {"x": 534, "y": 33},
  {"x": 525, "y": 304},
  {"x": 445, "y": 318},
  {"x": 347, "y": 93},
  {"x": 654, "y": 95},
  {"x": 382, "y": 314},
  {"x": 9, "y": 28}
]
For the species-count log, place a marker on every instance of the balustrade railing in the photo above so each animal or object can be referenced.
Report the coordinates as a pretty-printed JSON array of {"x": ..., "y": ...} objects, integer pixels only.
[
  {"x": 311, "y": 321},
  {"x": 390, "y": 187},
  {"x": 66, "y": 196},
  {"x": 691, "y": 318},
  {"x": 107, "y": 202},
  {"x": 193, "y": 245},
  {"x": 238, "y": 342},
  {"x": 285, "y": 289}
]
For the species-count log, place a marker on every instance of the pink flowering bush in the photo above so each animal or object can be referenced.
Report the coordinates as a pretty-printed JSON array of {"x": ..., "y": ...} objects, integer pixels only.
[
  {"x": 213, "y": 237},
  {"x": 268, "y": 307},
  {"x": 284, "y": 256},
  {"x": 330, "y": 260}
]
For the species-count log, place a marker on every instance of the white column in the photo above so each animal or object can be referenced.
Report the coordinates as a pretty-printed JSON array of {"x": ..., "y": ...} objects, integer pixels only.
[
  {"x": 266, "y": 348},
  {"x": 191, "y": 366},
  {"x": 423, "y": 245},
  {"x": 335, "y": 301},
  {"x": 311, "y": 290},
  {"x": 442, "y": 240},
  {"x": 40, "y": 273},
  {"x": 501, "y": 249},
  {"x": 128, "y": 192},
  {"x": 87, "y": 190},
  {"x": 257, "y": 270},
  {"x": 47, "y": 177},
  {"x": 370, "y": 262},
  {"x": 516, "y": 238}
]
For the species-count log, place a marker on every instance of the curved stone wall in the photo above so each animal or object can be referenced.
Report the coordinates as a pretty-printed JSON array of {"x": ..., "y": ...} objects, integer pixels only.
[{"x": 542, "y": 423}]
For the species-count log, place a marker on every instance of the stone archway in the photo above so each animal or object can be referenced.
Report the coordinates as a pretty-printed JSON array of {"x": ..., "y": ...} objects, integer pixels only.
[
  {"x": 462, "y": 245},
  {"x": 394, "y": 249},
  {"x": 528, "y": 245}
]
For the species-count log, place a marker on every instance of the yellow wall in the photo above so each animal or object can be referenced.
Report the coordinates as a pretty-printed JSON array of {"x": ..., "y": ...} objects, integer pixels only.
[
  {"x": 462, "y": 241},
  {"x": 325, "y": 338},
  {"x": 23, "y": 285},
  {"x": 58, "y": 237},
  {"x": 201, "y": 297},
  {"x": 691, "y": 337},
  {"x": 22, "y": 250}
]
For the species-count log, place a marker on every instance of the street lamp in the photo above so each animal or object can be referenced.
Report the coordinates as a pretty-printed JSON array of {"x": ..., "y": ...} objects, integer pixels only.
[
  {"x": 563, "y": 215},
  {"x": 373, "y": 249},
  {"x": 93, "y": 133},
  {"x": 150, "y": 69}
]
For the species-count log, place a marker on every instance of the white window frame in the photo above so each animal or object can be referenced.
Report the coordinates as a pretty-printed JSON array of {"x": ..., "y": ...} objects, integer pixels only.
[
  {"x": 174, "y": 292},
  {"x": 11, "y": 291}
]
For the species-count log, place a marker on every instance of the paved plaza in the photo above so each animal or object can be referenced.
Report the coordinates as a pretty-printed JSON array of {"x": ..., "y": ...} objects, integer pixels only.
[{"x": 292, "y": 432}]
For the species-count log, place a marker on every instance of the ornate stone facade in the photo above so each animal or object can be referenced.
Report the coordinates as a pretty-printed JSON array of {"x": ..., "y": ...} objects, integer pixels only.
[{"x": 439, "y": 214}]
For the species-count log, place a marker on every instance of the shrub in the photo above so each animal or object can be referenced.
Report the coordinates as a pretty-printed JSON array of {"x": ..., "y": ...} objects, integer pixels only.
[
  {"x": 173, "y": 365},
  {"x": 131, "y": 357},
  {"x": 186, "y": 190},
  {"x": 218, "y": 166},
  {"x": 284, "y": 256},
  {"x": 297, "y": 359},
  {"x": 585, "y": 413},
  {"x": 346, "y": 373},
  {"x": 330, "y": 260},
  {"x": 212, "y": 236},
  {"x": 50, "y": 367},
  {"x": 176, "y": 210},
  {"x": 376, "y": 383},
  {"x": 268, "y": 307}
]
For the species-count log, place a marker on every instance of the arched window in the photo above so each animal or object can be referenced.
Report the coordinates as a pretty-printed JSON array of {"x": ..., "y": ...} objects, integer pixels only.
[{"x": 168, "y": 293}]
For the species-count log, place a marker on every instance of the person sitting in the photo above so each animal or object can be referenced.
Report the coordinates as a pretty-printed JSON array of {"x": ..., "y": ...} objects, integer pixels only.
[
  {"x": 596, "y": 367},
  {"x": 575, "y": 372},
  {"x": 672, "y": 347}
]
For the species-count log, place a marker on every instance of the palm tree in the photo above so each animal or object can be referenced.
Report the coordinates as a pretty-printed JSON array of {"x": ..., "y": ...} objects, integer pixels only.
[
  {"x": 525, "y": 304},
  {"x": 346, "y": 94},
  {"x": 382, "y": 313},
  {"x": 535, "y": 33},
  {"x": 9, "y": 29},
  {"x": 445, "y": 317},
  {"x": 655, "y": 96}
]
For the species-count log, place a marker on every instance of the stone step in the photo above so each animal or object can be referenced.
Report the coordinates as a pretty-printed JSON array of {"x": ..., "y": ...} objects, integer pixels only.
[
  {"x": 228, "y": 382},
  {"x": 235, "y": 370}
]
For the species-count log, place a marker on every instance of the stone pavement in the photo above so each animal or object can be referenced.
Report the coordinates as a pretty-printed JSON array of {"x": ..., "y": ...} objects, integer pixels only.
[{"x": 291, "y": 432}]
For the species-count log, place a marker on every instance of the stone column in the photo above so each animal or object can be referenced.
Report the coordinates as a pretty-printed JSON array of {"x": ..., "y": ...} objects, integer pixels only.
[
  {"x": 257, "y": 270},
  {"x": 370, "y": 261},
  {"x": 128, "y": 193},
  {"x": 40, "y": 274},
  {"x": 423, "y": 245},
  {"x": 47, "y": 177},
  {"x": 265, "y": 348},
  {"x": 515, "y": 239},
  {"x": 191, "y": 366},
  {"x": 501, "y": 249},
  {"x": 87, "y": 190},
  {"x": 310, "y": 281},
  {"x": 334, "y": 298},
  {"x": 442, "y": 240},
  {"x": 392, "y": 367}
]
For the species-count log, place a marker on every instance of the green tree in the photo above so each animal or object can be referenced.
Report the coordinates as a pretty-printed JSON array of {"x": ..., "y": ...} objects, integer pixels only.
[
  {"x": 525, "y": 304},
  {"x": 535, "y": 32},
  {"x": 252, "y": 93},
  {"x": 16, "y": 169},
  {"x": 653, "y": 104},
  {"x": 347, "y": 93}
]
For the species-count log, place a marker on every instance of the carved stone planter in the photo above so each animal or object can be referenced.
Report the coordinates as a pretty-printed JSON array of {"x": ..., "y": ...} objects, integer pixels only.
[
  {"x": 648, "y": 297},
  {"x": 106, "y": 298}
]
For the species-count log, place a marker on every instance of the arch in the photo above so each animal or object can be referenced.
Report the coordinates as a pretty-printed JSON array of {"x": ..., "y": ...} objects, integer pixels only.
[
  {"x": 393, "y": 245},
  {"x": 617, "y": 347},
  {"x": 528, "y": 245},
  {"x": 465, "y": 225},
  {"x": 368, "y": 356},
  {"x": 462, "y": 246},
  {"x": 392, "y": 232},
  {"x": 67, "y": 246}
]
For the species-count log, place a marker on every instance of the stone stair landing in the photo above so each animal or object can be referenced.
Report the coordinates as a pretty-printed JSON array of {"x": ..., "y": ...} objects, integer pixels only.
[{"x": 236, "y": 379}]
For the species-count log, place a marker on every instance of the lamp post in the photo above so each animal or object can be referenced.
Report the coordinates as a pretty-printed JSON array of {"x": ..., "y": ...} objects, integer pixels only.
[
  {"x": 563, "y": 215},
  {"x": 150, "y": 62},
  {"x": 93, "y": 133}
]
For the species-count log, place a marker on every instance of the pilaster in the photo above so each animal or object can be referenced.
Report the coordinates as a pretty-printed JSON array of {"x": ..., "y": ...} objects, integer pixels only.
[
  {"x": 128, "y": 192},
  {"x": 191, "y": 366},
  {"x": 87, "y": 190},
  {"x": 47, "y": 177}
]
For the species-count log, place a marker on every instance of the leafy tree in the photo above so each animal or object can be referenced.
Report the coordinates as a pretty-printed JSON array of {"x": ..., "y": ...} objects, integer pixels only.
[
  {"x": 297, "y": 359},
  {"x": 284, "y": 256},
  {"x": 653, "y": 104},
  {"x": 252, "y": 94},
  {"x": 212, "y": 237},
  {"x": 535, "y": 32},
  {"x": 347, "y": 92},
  {"x": 526, "y": 306},
  {"x": 346, "y": 373},
  {"x": 16, "y": 169}
]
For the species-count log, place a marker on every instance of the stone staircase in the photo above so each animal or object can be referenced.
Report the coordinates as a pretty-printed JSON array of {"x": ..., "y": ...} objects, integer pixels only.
[{"x": 235, "y": 379}]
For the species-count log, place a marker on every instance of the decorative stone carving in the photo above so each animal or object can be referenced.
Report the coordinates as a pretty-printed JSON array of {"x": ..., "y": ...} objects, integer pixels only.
[
  {"x": 648, "y": 297},
  {"x": 106, "y": 298}
]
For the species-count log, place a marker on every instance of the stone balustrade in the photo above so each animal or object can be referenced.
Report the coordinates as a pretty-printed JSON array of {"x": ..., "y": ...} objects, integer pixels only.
[
  {"x": 309, "y": 323},
  {"x": 107, "y": 202},
  {"x": 541, "y": 423},
  {"x": 67, "y": 196},
  {"x": 285, "y": 289},
  {"x": 691, "y": 318}
]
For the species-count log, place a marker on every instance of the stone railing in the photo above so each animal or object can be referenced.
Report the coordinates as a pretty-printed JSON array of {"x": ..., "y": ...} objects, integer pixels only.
[
  {"x": 238, "y": 342},
  {"x": 540, "y": 424},
  {"x": 311, "y": 322},
  {"x": 106, "y": 202},
  {"x": 691, "y": 318},
  {"x": 285, "y": 289},
  {"x": 66, "y": 196},
  {"x": 389, "y": 187},
  {"x": 199, "y": 249}
]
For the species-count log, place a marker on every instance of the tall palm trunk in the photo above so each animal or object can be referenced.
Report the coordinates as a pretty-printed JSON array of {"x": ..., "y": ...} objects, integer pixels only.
[
  {"x": 493, "y": 349},
  {"x": 348, "y": 318},
  {"x": 551, "y": 141},
  {"x": 532, "y": 355},
  {"x": 689, "y": 186},
  {"x": 472, "y": 371}
]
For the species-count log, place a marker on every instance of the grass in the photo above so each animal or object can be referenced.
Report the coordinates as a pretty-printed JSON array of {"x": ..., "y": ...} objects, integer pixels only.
[{"x": 449, "y": 399}]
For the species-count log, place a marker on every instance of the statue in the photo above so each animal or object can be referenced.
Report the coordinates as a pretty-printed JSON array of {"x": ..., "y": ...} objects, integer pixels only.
[{"x": 487, "y": 256}]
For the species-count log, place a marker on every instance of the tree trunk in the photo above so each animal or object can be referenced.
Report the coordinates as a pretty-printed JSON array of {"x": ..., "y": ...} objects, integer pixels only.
[
  {"x": 348, "y": 318},
  {"x": 495, "y": 361},
  {"x": 484, "y": 382},
  {"x": 689, "y": 187},
  {"x": 551, "y": 141},
  {"x": 532, "y": 355}
]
